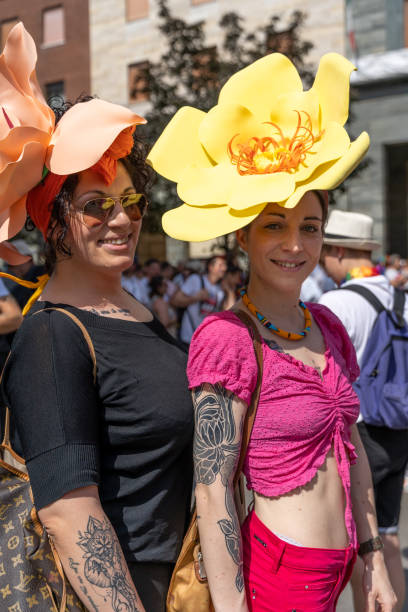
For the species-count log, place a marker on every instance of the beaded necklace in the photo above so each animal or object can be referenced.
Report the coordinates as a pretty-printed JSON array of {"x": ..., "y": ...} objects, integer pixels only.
[{"x": 279, "y": 332}]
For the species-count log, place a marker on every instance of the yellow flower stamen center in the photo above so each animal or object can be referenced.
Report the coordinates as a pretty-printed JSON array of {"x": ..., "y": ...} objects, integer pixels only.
[{"x": 277, "y": 153}]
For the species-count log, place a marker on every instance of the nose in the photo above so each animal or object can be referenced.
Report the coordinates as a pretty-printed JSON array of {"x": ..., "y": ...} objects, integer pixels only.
[
  {"x": 118, "y": 217},
  {"x": 293, "y": 241}
]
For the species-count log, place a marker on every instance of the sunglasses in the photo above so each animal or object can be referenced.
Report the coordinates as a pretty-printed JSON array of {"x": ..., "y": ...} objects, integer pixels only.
[{"x": 97, "y": 211}]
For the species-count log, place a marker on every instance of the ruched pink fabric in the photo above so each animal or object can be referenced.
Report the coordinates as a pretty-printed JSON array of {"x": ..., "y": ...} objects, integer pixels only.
[{"x": 300, "y": 416}]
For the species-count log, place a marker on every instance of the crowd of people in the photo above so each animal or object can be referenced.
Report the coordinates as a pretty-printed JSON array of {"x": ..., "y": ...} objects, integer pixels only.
[{"x": 132, "y": 384}]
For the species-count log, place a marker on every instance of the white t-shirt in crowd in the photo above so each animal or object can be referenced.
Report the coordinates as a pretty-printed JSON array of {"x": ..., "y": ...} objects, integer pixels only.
[
  {"x": 356, "y": 314},
  {"x": 138, "y": 287},
  {"x": 196, "y": 313}
]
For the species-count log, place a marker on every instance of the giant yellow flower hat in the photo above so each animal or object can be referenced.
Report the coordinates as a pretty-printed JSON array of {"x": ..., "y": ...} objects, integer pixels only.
[{"x": 267, "y": 140}]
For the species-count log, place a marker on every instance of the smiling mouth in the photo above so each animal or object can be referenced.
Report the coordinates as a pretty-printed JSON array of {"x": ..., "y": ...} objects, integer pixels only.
[
  {"x": 116, "y": 241},
  {"x": 288, "y": 265}
]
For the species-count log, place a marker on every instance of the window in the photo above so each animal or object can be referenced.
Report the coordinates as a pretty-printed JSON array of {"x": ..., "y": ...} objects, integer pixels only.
[
  {"x": 136, "y": 9},
  {"x": 205, "y": 68},
  {"x": 53, "y": 26},
  {"x": 55, "y": 90},
  {"x": 6, "y": 26},
  {"x": 138, "y": 82}
]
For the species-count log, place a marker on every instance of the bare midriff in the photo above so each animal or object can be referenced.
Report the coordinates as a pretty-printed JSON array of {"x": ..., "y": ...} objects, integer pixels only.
[{"x": 312, "y": 515}]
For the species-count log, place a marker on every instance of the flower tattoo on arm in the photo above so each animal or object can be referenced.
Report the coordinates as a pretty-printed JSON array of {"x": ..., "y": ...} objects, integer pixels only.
[
  {"x": 105, "y": 566},
  {"x": 216, "y": 451}
]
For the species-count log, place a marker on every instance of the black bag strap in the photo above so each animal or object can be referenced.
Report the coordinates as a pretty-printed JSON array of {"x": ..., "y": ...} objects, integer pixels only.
[
  {"x": 6, "y": 437},
  {"x": 398, "y": 307},
  {"x": 368, "y": 295}
]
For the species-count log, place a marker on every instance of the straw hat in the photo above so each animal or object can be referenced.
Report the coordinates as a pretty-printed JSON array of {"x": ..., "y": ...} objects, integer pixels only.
[{"x": 351, "y": 230}]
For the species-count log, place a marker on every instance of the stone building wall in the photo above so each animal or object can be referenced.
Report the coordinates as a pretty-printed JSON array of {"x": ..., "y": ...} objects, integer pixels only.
[{"x": 68, "y": 62}]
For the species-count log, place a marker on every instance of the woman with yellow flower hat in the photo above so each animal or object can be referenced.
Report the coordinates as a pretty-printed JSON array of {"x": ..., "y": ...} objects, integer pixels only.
[
  {"x": 96, "y": 386},
  {"x": 259, "y": 163}
]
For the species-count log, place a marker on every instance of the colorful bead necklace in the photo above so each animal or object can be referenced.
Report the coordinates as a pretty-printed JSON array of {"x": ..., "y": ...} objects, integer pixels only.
[
  {"x": 279, "y": 332},
  {"x": 362, "y": 272}
]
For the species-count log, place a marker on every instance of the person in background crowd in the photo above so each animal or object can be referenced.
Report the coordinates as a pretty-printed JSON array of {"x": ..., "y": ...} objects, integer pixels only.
[
  {"x": 10, "y": 320},
  {"x": 346, "y": 255},
  {"x": 160, "y": 305},
  {"x": 132, "y": 281},
  {"x": 183, "y": 271},
  {"x": 200, "y": 295},
  {"x": 393, "y": 270},
  {"x": 168, "y": 272},
  {"x": 230, "y": 284},
  {"x": 28, "y": 271},
  {"x": 317, "y": 283}
]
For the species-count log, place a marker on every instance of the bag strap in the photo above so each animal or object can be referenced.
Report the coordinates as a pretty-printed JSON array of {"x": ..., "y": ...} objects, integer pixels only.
[
  {"x": 251, "y": 412},
  {"x": 366, "y": 294},
  {"x": 398, "y": 307},
  {"x": 6, "y": 437}
]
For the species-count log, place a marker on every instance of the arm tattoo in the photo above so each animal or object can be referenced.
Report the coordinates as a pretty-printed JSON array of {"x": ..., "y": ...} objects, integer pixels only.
[
  {"x": 104, "y": 565},
  {"x": 216, "y": 451}
]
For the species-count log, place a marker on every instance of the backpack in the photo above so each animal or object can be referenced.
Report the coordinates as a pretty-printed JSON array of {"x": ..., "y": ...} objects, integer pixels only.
[{"x": 382, "y": 387}]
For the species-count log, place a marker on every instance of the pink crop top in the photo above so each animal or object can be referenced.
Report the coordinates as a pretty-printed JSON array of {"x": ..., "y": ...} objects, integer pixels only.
[{"x": 299, "y": 416}]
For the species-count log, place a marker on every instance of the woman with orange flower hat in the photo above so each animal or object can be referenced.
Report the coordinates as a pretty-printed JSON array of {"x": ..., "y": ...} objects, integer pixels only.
[
  {"x": 259, "y": 163},
  {"x": 107, "y": 446}
]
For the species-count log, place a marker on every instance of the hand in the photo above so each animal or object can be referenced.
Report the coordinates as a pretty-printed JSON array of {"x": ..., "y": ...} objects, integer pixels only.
[
  {"x": 202, "y": 295},
  {"x": 376, "y": 584}
]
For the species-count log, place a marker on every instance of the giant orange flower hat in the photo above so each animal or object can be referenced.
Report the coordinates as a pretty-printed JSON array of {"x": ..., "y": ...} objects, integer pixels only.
[
  {"x": 36, "y": 155},
  {"x": 267, "y": 140}
]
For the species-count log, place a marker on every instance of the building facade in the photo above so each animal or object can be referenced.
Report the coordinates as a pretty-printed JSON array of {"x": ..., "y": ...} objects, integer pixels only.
[
  {"x": 61, "y": 33},
  {"x": 381, "y": 86}
]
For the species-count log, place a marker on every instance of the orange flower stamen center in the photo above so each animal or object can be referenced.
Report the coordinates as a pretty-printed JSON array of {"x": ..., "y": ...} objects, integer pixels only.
[{"x": 277, "y": 153}]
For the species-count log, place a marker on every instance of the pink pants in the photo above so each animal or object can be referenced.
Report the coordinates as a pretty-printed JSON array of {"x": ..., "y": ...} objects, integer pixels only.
[{"x": 281, "y": 577}]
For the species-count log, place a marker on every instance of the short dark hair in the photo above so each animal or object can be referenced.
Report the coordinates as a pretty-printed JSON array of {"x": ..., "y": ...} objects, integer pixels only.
[
  {"x": 154, "y": 285},
  {"x": 150, "y": 261},
  {"x": 212, "y": 259}
]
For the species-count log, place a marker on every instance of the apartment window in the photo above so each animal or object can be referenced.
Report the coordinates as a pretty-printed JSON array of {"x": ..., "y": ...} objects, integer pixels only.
[
  {"x": 137, "y": 9},
  {"x": 55, "y": 90},
  {"x": 6, "y": 26},
  {"x": 204, "y": 69},
  {"x": 138, "y": 82},
  {"x": 53, "y": 26}
]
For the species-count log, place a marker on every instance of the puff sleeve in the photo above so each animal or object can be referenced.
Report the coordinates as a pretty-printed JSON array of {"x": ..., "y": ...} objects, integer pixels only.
[{"x": 222, "y": 351}]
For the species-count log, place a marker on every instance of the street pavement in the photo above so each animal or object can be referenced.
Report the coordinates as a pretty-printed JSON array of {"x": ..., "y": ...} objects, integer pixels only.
[{"x": 345, "y": 603}]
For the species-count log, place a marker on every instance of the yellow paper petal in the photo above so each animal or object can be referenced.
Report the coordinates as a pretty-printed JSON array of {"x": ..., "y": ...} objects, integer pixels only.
[
  {"x": 333, "y": 144},
  {"x": 255, "y": 189},
  {"x": 85, "y": 132},
  {"x": 223, "y": 122},
  {"x": 330, "y": 175},
  {"x": 258, "y": 86},
  {"x": 196, "y": 224},
  {"x": 178, "y": 145},
  {"x": 283, "y": 113},
  {"x": 207, "y": 186},
  {"x": 332, "y": 85}
]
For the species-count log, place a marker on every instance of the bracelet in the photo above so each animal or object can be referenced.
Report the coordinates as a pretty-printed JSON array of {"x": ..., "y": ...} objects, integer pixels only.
[{"x": 370, "y": 545}]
